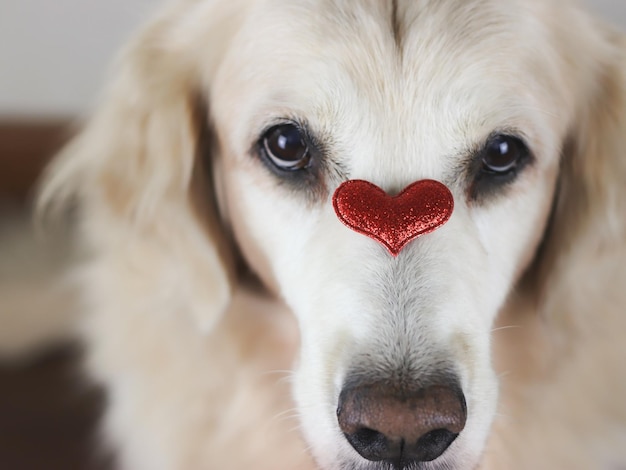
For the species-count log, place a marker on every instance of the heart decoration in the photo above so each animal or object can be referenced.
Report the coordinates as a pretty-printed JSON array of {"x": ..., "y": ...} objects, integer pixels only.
[{"x": 394, "y": 221}]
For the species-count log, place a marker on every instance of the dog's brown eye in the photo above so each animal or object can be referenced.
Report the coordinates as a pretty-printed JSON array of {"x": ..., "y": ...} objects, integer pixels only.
[
  {"x": 285, "y": 146},
  {"x": 503, "y": 154},
  {"x": 500, "y": 161}
]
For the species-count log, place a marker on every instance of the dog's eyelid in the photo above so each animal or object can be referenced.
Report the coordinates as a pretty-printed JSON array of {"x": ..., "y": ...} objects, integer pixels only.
[{"x": 274, "y": 121}]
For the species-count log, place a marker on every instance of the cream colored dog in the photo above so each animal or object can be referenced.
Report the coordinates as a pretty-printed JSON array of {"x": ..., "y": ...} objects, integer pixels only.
[{"x": 212, "y": 162}]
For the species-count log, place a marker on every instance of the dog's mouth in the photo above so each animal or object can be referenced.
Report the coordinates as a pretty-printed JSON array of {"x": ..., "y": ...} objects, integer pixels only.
[{"x": 440, "y": 464}]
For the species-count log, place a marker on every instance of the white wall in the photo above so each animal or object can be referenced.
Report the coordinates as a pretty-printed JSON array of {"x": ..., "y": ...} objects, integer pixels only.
[
  {"x": 614, "y": 10},
  {"x": 54, "y": 54}
]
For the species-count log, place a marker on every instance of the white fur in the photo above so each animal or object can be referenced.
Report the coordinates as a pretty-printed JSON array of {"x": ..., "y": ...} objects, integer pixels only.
[{"x": 189, "y": 353}]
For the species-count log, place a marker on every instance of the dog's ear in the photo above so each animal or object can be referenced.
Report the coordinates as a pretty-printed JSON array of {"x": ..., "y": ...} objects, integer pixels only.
[
  {"x": 135, "y": 172},
  {"x": 587, "y": 230}
]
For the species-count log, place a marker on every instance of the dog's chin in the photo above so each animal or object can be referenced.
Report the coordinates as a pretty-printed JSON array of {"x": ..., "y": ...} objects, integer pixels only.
[
  {"x": 443, "y": 463},
  {"x": 453, "y": 459}
]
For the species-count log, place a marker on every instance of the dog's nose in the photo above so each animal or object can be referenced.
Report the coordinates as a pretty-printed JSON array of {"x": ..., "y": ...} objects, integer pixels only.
[{"x": 383, "y": 424}]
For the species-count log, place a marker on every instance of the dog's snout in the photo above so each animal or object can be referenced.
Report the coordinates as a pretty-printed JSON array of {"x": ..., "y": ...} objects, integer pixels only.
[{"x": 384, "y": 424}]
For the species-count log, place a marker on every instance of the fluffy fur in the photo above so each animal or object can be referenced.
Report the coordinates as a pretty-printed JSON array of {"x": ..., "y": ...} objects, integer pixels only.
[{"x": 524, "y": 287}]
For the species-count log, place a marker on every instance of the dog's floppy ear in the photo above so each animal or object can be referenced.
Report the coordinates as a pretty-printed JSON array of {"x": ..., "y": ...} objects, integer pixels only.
[
  {"x": 588, "y": 227},
  {"x": 134, "y": 168}
]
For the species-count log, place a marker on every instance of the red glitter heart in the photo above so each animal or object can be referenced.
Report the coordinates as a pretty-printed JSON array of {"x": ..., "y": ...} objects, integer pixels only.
[{"x": 394, "y": 221}]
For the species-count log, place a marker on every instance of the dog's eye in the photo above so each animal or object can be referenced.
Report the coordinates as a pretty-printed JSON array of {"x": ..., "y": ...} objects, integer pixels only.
[
  {"x": 497, "y": 164},
  {"x": 503, "y": 154},
  {"x": 286, "y": 148}
]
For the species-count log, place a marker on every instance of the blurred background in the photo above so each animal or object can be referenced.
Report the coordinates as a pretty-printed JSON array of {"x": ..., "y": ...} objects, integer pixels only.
[{"x": 54, "y": 59}]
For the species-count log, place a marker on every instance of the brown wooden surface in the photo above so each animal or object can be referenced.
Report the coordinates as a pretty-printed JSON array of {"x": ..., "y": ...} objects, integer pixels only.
[
  {"x": 25, "y": 147},
  {"x": 48, "y": 415}
]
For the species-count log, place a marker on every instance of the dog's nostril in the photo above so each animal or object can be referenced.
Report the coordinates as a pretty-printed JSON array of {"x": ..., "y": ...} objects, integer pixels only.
[
  {"x": 382, "y": 424},
  {"x": 433, "y": 444},
  {"x": 366, "y": 438}
]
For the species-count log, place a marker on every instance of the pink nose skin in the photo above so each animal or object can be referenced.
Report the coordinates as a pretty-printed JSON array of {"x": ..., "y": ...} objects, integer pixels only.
[
  {"x": 393, "y": 221},
  {"x": 400, "y": 429}
]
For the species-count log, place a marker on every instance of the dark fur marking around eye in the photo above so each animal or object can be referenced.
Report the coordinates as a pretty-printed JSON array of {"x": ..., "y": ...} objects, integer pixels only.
[{"x": 310, "y": 178}]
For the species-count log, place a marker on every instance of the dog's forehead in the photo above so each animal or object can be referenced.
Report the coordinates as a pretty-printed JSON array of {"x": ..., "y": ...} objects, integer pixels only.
[{"x": 398, "y": 77}]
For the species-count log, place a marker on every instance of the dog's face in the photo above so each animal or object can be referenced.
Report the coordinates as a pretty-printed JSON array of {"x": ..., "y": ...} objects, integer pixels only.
[
  {"x": 310, "y": 94},
  {"x": 480, "y": 95}
]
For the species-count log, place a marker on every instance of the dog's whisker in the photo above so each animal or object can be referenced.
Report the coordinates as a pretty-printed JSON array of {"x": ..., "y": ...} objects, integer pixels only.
[
  {"x": 282, "y": 417},
  {"x": 307, "y": 449},
  {"x": 506, "y": 327},
  {"x": 291, "y": 412},
  {"x": 295, "y": 428},
  {"x": 276, "y": 372},
  {"x": 287, "y": 379},
  {"x": 504, "y": 374},
  {"x": 282, "y": 377}
]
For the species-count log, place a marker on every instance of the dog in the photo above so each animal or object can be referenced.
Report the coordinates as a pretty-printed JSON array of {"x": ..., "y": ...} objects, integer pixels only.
[{"x": 241, "y": 306}]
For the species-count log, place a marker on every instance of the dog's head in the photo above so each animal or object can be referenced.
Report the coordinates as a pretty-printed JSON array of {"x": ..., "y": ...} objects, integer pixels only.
[{"x": 244, "y": 117}]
